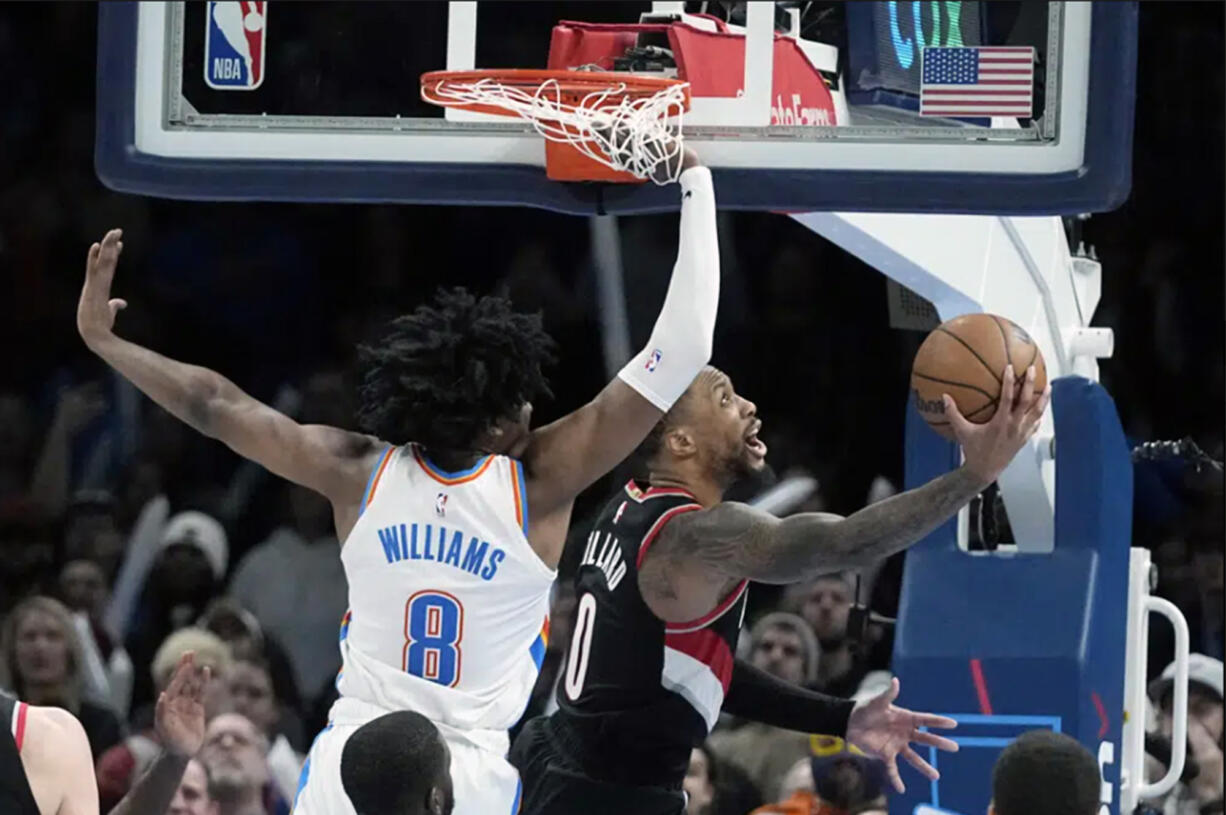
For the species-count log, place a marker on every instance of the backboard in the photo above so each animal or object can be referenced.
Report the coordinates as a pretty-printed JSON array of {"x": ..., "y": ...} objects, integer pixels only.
[{"x": 319, "y": 102}]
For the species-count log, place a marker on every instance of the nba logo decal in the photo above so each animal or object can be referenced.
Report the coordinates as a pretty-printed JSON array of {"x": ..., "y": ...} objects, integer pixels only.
[
  {"x": 234, "y": 39},
  {"x": 654, "y": 360},
  {"x": 440, "y": 504}
]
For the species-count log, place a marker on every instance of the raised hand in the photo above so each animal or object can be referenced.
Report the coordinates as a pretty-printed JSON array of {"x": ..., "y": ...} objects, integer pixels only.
[
  {"x": 884, "y": 731},
  {"x": 179, "y": 715},
  {"x": 96, "y": 311},
  {"x": 989, "y": 447}
]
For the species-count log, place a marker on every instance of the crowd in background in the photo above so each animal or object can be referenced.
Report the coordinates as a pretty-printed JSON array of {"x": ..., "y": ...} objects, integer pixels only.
[{"x": 126, "y": 539}]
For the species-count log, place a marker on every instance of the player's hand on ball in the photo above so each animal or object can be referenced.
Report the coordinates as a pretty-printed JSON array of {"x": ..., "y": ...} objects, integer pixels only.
[
  {"x": 989, "y": 447},
  {"x": 885, "y": 731},
  {"x": 96, "y": 311}
]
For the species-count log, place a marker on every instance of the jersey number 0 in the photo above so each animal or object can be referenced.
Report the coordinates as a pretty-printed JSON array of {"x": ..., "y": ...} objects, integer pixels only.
[{"x": 433, "y": 628}]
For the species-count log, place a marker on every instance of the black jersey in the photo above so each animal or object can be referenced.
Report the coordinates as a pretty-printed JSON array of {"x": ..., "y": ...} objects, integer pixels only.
[
  {"x": 15, "y": 794},
  {"x": 637, "y": 694}
]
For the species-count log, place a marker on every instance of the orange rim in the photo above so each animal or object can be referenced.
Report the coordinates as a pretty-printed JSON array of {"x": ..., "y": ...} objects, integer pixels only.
[{"x": 571, "y": 84}]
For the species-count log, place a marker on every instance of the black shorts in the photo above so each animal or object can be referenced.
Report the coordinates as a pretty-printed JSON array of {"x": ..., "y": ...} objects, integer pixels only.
[{"x": 554, "y": 783}]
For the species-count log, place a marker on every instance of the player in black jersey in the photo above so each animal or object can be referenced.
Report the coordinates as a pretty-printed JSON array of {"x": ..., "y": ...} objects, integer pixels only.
[{"x": 661, "y": 590}]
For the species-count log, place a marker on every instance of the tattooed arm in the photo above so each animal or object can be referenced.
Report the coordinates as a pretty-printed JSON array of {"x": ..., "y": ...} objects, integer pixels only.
[{"x": 736, "y": 540}]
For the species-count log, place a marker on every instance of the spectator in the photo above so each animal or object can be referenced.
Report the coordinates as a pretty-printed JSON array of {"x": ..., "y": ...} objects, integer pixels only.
[
  {"x": 825, "y": 603},
  {"x": 1200, "y": 789},
  {"x": 83, "y": 589},
  {"x": 184, "y": 578},
  {"x": 233, "y": 754},
  {"x": 699, "y": 786},
  {"x": 1045, "y": 772},
  {"x": 295, "y": 585},
  {"x": 27, "y": 550},
  {"x": 91, "y": 531},
  {"x": 251, "y": 695},
  {"x": 239, "y": 628},
  {"x": 837, "y": 781},
  {"x": 194, "y": 795},
  {"x": 783, "y": 645},
  {"x": 119, "y": 767},
  {"x": 42, "y": 666}
]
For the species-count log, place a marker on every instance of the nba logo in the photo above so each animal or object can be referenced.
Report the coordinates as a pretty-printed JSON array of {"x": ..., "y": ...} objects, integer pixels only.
[
  {"x": 440, "y": 504},
  {"x": 654, "y": 360},
  {"x": 234, "y": 39}
]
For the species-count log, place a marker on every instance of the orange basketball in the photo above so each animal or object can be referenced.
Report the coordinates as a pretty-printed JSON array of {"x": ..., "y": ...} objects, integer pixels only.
[{"x": 966, "y": 358}]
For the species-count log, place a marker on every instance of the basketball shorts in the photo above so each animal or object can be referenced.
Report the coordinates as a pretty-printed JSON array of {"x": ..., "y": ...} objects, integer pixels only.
[
  {"x": 555, "y": 784},
  {"x": 484, "y": 782}
]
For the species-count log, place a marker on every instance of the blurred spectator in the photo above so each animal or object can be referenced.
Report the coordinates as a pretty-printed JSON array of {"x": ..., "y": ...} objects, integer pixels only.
[
  {"x": 83, "y": 589},
  {"x": 27, "y": 552},
  {"x": 1048, "y": 772},
  {"x": 837, "y": 781},
  {"x": 782, "y": 645},
  {"x": 251, "y": 695},
  {"x": 194, "y": 796},
  {"x": 1200, "y": 788},
  {"x": 234, "y": 755},
  {"x": 825, "y": 603},
  {"x": 239, "y": 628},
  {"x": 119, "y": 767},
  {"x": 91, "y": 531},
  {"x": 42, "y": 666},
  {"x": 295, "y": 585},
  {"x": 714, "y": 787},
  {"x": 185, "y": 577}
]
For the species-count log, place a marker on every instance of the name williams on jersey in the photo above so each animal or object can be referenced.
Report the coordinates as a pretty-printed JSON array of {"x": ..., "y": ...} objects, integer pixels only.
[{"x": 441, "y": 545}]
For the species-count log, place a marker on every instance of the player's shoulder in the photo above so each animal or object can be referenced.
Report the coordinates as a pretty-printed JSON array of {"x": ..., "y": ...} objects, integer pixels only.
[
  {"x": 643, "y": 505},
  {"x": 49, "y": 734}
]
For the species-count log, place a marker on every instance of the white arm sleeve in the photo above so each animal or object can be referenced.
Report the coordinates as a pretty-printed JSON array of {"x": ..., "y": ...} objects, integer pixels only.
[{"x": 680, "y": 343}]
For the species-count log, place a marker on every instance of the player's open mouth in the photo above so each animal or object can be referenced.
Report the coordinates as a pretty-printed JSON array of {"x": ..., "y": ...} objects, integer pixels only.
[{"x": 753, "y": 443}]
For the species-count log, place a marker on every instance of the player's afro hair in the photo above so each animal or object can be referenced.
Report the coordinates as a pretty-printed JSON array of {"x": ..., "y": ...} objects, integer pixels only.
[{"x": 450, "y": 370}]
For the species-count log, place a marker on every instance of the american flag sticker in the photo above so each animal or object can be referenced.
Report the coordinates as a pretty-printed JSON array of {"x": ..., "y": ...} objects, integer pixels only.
[{"x": 978, "y": 81}]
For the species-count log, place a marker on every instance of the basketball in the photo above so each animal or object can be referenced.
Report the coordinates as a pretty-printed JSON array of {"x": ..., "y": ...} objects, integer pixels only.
[{"x": 966, "y": 358}]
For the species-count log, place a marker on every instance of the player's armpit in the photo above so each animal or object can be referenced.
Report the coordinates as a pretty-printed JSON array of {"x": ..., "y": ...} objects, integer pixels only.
[{"x": 737, "y": 540}]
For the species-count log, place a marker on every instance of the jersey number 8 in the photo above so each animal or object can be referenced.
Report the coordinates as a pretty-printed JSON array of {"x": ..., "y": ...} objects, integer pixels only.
[{"x": 433, "y": 628}]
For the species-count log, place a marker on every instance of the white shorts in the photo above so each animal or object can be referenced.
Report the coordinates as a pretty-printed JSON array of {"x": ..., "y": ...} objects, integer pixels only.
[{"x": 484, "y": 782}]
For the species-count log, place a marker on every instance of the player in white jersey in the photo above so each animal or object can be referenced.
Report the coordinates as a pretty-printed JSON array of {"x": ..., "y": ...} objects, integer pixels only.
[{"x": 451, "y": 512}]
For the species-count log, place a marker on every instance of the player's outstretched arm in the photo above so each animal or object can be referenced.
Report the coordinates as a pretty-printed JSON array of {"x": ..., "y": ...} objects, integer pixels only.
[
  {"x": 328, "y": 460},
  {"x": 736, "y": 540},
  {"x": 565, "y": 457}
]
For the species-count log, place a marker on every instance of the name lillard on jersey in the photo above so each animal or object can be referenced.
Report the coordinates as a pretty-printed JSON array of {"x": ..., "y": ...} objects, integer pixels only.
[
  {"x": 605, "y": 555},
  {"x": 429, "y": 542}
]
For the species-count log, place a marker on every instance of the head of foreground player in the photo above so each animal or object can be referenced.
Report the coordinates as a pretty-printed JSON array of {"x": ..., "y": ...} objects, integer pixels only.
[
  {"x": 457, "y": 377},
  {"x": 1045, "y": 772},
  {"x": 708, "y": 440},
  {"x": 398, "y": 764}
]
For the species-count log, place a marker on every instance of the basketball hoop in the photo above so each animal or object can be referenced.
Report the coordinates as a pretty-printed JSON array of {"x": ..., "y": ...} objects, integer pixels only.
[{"x": 598, "y": 125}]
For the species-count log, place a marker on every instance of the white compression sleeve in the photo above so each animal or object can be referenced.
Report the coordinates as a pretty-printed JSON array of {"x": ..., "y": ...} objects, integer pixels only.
[{"x": 680, "y": 343}]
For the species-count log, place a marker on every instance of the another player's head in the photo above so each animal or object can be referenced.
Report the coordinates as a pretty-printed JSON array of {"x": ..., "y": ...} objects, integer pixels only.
[
  {"x": 456, "y": 376},
  {"x": 1045, "y": 772},
  {"x": 710, "y": 429},
  {"x": 398, "y": 764}
]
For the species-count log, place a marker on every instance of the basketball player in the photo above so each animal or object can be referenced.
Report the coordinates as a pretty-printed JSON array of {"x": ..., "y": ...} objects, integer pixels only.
[
  {"x": 661, "y": 589},
  {"x": 397, "y": 765},
  {"x": 46, "y": 767},
  {"x": 452, "y": 513}
]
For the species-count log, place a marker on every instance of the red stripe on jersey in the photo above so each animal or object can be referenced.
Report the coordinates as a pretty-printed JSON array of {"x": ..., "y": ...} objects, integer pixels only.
[
  {"x": 658, "y": 525},
  {"x": 712, "y": 615},
  {"x": 19, "y": 726},
  {"x": 708, "y": 648},
  {"x": 640, "y": 495}
]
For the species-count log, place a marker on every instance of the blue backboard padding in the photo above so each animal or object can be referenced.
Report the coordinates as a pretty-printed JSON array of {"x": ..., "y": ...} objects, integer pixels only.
[
  {"x": 1047, "y": 630},
  {"x": 1101, "y": 184}
]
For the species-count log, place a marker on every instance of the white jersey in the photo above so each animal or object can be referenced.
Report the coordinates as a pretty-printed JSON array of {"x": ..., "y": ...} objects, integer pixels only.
[{"x": 448, "y": 603}]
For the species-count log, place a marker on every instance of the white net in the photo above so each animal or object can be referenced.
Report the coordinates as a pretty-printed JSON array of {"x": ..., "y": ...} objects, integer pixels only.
[{"x": 636, "y": 135}]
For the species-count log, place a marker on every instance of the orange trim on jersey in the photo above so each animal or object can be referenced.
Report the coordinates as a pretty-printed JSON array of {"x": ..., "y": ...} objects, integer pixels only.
[
  {"x": 521, "y": 512},
  {"x": 448, "y": 479},
  {"x": 19, "y": 726},
  {"x": 374, "y": 482}
]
